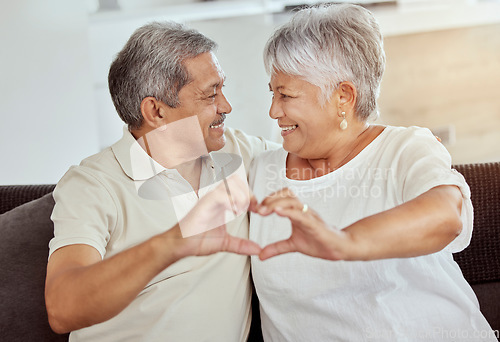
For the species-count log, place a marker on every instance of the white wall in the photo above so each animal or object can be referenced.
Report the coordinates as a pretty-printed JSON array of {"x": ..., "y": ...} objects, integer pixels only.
[
  {"x": 241, "y": 42},
  {"x": 47, "y": 103},
  {"x": 54, "y": 62},
  {"x": 54, "y": 97}
]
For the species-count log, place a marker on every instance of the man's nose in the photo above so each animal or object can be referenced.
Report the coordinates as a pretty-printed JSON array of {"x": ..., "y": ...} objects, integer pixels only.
[{"x": 224, "y": 106}]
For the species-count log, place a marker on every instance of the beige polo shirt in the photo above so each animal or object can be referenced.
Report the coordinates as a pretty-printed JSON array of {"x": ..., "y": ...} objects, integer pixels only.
[{"x": 195, "y": 299}]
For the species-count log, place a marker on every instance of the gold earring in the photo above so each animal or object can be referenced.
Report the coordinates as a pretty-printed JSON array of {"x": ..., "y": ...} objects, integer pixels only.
[{"x": 343, "y": 123}]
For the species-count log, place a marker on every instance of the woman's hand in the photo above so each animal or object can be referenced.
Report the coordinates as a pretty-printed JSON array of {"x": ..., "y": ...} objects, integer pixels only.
[
  {"x": 424, "y": 225},
  {"x": 310, "y": 234},
  {"x": 203, "y": 230}
]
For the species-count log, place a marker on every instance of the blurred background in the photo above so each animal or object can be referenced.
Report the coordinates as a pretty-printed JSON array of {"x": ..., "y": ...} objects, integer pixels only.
[{"x": 443, "y": 72}]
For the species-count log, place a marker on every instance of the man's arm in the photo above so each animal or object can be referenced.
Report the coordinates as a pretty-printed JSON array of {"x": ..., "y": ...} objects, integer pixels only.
[{"x": 82, "y": 290}]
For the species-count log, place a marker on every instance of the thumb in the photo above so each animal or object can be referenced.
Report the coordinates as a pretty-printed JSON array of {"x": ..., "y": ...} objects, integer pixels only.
[
  {"x": 277, "y": 248},
  {"x": 241, "y": 246}
]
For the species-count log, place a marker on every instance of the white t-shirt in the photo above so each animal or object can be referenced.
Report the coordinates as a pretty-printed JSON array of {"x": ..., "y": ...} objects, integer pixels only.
[
  {"x": 119, "y": 198},
  {"x": 423, "y": 298}
]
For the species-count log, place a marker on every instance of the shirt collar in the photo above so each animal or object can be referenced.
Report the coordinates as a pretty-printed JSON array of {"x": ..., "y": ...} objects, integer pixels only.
[
  {"x": 139, "y": 166},
  {"x": 132, "y": 158}
]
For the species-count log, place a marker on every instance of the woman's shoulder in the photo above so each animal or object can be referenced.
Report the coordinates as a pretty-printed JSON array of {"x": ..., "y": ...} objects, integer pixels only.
[
  {"x": 408, "y": 144},
  {"x": 402, "y": 137},
  {"x": 399, "y": 132},
  {"x": 398, "y": 144}
]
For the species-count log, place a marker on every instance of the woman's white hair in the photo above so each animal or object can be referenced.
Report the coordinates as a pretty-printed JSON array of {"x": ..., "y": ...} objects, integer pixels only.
[{"x": 327, "y": 45}]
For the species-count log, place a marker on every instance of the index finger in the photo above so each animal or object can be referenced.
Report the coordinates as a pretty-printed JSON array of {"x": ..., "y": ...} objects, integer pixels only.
[{"x": 284, "y": 198}]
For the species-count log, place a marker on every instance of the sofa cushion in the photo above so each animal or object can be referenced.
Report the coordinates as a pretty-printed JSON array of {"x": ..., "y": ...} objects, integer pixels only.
[
  {"x": 488, "y": 295},
  {"x": 24, "y": 236}
]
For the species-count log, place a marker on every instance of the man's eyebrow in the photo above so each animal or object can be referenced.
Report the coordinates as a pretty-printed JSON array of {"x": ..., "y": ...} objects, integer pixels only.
[
  {"x": 214, "y": 85},
  {"x": 221, "y": 82}
]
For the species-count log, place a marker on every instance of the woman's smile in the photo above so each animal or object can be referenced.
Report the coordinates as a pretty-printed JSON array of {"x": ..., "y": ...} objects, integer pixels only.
[{"x": 287, "y": 130}]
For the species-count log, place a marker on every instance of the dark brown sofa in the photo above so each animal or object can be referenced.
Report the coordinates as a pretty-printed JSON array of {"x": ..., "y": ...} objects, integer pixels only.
[{"x": 25, "y": 230}]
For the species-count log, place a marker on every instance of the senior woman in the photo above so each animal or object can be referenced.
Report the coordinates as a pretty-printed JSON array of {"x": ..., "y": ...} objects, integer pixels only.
[{"x": 374, "y": 211}]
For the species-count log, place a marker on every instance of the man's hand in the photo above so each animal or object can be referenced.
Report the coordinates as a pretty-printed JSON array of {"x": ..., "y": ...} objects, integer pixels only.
[
  {"x": 78, "y": 281},
  {"x": 204, "y": 227}
]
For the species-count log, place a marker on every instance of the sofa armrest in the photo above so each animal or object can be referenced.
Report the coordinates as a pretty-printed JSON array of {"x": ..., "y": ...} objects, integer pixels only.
[{"x": 480, "y": 262}]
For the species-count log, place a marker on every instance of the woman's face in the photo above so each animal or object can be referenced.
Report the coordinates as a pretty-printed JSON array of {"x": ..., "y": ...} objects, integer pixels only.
[{"x": 308, "y": 129}]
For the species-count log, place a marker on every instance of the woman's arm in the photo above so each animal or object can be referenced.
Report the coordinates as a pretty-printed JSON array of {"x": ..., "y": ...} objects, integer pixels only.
[{"x": 421, "y": 226}]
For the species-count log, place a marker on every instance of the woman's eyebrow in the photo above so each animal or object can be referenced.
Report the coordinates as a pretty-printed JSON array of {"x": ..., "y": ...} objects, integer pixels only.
[{"x": 277, "y": 88}]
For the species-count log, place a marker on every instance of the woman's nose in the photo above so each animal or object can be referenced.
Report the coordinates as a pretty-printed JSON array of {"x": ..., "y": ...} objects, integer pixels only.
[{"x": 275, "y": 111}]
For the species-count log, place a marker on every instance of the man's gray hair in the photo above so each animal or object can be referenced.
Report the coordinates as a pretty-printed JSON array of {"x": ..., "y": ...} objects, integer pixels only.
[
  {"x": 327, "y": 45},
  {"x": 151, "y": 64}
]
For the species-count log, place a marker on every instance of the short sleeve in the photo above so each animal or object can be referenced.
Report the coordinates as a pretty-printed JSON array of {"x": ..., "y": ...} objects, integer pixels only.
[
  {"x": 424, "y": 164},
  {"x": 84, "y": 211}
]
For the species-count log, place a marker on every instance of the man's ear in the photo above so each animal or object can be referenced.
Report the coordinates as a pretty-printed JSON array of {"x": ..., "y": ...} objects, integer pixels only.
[
  {"x": 348, "y": 96},
  {"x": 152, "y": 112}
]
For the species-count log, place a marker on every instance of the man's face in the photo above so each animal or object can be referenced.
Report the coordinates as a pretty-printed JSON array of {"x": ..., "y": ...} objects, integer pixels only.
[{"x": 202, "y": 96}]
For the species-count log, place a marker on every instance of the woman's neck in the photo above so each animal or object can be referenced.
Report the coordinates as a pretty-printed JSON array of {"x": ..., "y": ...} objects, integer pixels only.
[
  {"x": 343, "y": 150},
  {"x": 338, "y": 155}
]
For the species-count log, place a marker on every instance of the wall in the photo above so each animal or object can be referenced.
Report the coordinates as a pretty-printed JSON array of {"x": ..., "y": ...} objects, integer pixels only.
[
  {"x": 447, "y": 78},
  {"x": 47, "y": 103},
  {"x": 241, "y": 42},
  {"x": 56, "y": 109},
  {"x": 441, "y": 79}
]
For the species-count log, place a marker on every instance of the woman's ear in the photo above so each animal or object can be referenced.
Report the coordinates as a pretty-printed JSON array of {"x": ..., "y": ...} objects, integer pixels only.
[
  {"x": 152, "y": 112},
  {"x": 347, "y": 96}
]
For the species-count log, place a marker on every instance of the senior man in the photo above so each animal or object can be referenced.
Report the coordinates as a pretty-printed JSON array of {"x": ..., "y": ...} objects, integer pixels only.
[{"x": 125, "y": 263}]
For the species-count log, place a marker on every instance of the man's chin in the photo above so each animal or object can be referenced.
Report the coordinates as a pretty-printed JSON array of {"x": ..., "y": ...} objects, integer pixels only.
[{"x": 216, "y": 144}]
